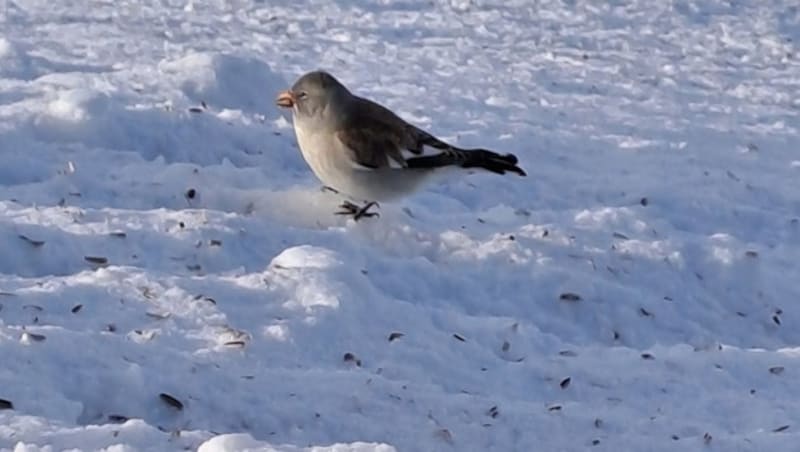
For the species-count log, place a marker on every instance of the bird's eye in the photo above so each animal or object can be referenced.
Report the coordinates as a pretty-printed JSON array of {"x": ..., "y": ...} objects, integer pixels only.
[{"x": 302, "y": 95}]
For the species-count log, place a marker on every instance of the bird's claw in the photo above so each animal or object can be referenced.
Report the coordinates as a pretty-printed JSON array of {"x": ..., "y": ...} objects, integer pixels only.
[{"x": 358, "y": 212}]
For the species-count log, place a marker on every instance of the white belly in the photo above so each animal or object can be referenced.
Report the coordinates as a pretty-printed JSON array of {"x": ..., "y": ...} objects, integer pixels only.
[{"x": 331, "y": 165}]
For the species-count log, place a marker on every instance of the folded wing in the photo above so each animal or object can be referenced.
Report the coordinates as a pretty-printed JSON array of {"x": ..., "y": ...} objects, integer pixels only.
[{"x": 377, "y": 138}]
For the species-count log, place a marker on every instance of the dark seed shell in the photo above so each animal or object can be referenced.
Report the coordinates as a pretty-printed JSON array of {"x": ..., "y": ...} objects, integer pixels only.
[
  {"x": 569, "y": 296},
  {"x": 171, "y": 401}
]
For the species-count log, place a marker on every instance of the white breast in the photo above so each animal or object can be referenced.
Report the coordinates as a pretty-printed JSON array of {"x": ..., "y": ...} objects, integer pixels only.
[{"x": 332, "y": 165}]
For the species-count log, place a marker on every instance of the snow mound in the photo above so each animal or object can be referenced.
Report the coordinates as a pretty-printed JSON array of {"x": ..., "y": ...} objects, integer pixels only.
[
  {"x": 14, "y": 61},
  {"x": 227, "y": 81}
]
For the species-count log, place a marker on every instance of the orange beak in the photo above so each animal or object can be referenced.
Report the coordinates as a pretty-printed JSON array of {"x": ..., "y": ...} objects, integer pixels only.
[{"x": 285, "y": 99}]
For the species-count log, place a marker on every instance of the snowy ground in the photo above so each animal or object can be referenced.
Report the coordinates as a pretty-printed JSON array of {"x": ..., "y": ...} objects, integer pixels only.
[{"x": 638, "y": 291}]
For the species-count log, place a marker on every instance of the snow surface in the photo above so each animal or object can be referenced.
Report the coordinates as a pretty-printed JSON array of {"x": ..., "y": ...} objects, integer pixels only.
[{"x": 638, "y": 291}]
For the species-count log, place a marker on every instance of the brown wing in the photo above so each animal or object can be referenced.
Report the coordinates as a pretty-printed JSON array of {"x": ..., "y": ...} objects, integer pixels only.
[{"x": 377, "y": 137}]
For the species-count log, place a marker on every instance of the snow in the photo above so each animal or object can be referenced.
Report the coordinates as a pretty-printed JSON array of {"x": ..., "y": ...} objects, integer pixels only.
[{"x": 173, "y": 277}]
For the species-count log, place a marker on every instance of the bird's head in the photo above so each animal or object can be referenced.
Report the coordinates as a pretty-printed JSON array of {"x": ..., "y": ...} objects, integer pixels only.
[{"x": 312, "y": 93}]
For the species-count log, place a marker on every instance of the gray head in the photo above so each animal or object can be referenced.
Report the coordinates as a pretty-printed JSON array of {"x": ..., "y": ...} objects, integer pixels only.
[{"x": 312, "y": 93}]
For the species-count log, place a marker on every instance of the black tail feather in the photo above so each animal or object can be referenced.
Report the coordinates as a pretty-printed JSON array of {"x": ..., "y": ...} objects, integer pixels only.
[
  {"x": 469, "y": 158},
  {"x": 466, "y": 158}
]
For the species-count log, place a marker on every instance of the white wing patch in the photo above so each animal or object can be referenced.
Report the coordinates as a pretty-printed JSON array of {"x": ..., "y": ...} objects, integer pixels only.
[
  {"x": 360, "y": 167},
  {"x": 394, "y": 164},
  {"x": 427, "y": 151}
]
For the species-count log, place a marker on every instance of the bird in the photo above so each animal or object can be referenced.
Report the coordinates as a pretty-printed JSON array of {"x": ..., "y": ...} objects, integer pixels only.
[{"x": 360, "y": 149}]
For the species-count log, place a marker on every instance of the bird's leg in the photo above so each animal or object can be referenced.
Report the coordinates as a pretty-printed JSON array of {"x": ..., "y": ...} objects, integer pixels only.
[
  {"x": 358, "y": 212},
  {"x": 330, "y": 189}
]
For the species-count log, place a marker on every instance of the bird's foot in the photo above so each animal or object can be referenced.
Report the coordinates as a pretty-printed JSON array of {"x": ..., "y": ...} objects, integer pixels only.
[
  {"x": 325, "y": 188},
  {"x": 356, "y": 211}
]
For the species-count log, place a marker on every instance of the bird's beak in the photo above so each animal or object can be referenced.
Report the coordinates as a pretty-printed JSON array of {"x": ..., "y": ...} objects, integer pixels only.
[{"x": 285, "y": 99}]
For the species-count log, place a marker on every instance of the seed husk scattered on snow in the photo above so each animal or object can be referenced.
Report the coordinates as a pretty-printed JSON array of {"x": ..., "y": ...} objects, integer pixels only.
[
  {"x": 506, "y": 346},
  {"x": 598, "y": 422},
  {"x": 206, "y": 298},
  {"x": 776, "y": 370},
  {"x": 619, "y": 235},
  {"x": 32, "y": 242},
  {"x": 34, "y": 337},
  {"x": 96, "y": 260},
  {"x": 565, "y": 383},
  {"x": 569, "y": 296},
  {"x": 215, "y": 242},
  {"x": 459, "y": 337},
  {"x": 76, "y": 308},
  {"x": 645, "y": 312},
  {"x": 569, "y": 353},
  {"x": 6, "y": 404},
  {"x": 117, "y": 418},
  {"x": 234, "y": 344},
  {"x": 707, "y": 438},
  {"x": 395, "y": 335},
  {"x": 171, "y": 401},
  {"x": 554, "y": 408},
  {"x": 647, "y": 356},
  {"x": 782, "y": 428},
  {"x": 118, "y": 234},
  {"x": 351, "y": 358}
]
